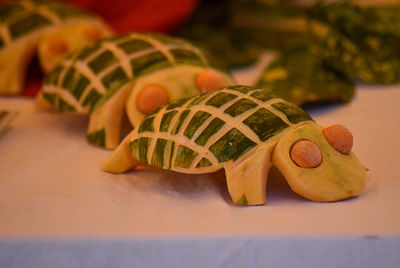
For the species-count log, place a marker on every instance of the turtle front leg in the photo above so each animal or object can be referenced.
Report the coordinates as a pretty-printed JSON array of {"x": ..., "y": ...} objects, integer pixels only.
[
  {"x": 247, "y": 180},
  {"x": 105, "y": 121},
  {"x": 121, "y": 160},
  {"x": 13, "y": 65}
]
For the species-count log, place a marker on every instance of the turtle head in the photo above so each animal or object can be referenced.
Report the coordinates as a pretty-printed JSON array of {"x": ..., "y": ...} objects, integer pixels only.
[{"x": 318, "y": 163}]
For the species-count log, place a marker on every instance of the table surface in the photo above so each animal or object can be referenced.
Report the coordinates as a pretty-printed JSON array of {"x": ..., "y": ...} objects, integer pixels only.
[{"x": 51, "y": 184}]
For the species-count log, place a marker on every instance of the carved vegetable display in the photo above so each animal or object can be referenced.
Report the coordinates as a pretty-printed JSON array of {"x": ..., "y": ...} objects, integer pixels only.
[
  {"x": 245, "y": 130},
  {"x": 140, "y": 70},
  {"x": 51, "y": 28}
]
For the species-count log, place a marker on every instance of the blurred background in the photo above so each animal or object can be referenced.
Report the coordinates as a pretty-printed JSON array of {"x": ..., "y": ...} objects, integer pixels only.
[{"x": 321, "y": 48}]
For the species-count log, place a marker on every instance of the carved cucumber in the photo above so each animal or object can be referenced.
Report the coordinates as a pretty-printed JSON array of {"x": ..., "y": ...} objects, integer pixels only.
[
  {"x": 245, "y": 130},
  {"x": 50, "y": 27},
  {"x": 139, "y": 70}
]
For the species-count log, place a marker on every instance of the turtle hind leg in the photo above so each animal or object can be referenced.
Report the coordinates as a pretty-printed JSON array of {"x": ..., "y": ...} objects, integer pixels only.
[
  {"x": 105, "y": 121},
  {"x": 247, "y": 180}
]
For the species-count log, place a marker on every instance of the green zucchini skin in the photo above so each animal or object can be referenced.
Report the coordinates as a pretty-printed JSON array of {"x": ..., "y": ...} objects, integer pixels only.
[{"x": 202, "y": 133}]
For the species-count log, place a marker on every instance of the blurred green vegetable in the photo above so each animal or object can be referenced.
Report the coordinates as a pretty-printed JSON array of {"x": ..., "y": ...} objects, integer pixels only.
[
  {"x": 300, "y": 76},
  {"x": 358, "y": 47},
  {"x": 321, "y": 46},
  {"x": 226, "y": 48},
  {"x": 209, "y": 29}
]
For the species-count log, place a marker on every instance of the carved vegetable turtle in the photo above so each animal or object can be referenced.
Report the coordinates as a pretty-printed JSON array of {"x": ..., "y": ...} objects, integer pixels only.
[
  {"x": 141, "y": 70},
  {"x": 52, "y": 28},
  {"x": 245, "y": 130}
]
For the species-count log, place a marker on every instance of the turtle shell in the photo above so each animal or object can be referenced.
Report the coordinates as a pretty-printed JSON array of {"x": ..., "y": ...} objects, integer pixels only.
[
  {"x": 94, "y": 77},
  {"x": 200, "y": 134},
  {"x": 22, "y": 25}
]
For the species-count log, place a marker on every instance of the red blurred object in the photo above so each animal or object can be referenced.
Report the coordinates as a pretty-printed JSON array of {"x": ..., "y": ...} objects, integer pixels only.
[
  {"x": 140, "y": 15},
  {"x": 126, "y": 16}
]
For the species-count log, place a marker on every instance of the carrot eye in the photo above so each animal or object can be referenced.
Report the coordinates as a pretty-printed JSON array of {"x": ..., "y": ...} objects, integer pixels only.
[
  {"x": 58, "y": 45},
  {"x": 339, "y": 137},
  {"x": 209, "y": 80},
  {"x": 306, "y": 154},
  {"x": 92, "y": 33},
  {"x": 151, "y": 97}
]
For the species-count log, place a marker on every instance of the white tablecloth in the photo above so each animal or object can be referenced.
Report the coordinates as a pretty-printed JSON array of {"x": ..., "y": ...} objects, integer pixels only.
[{"x": 59, "y": 209}]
